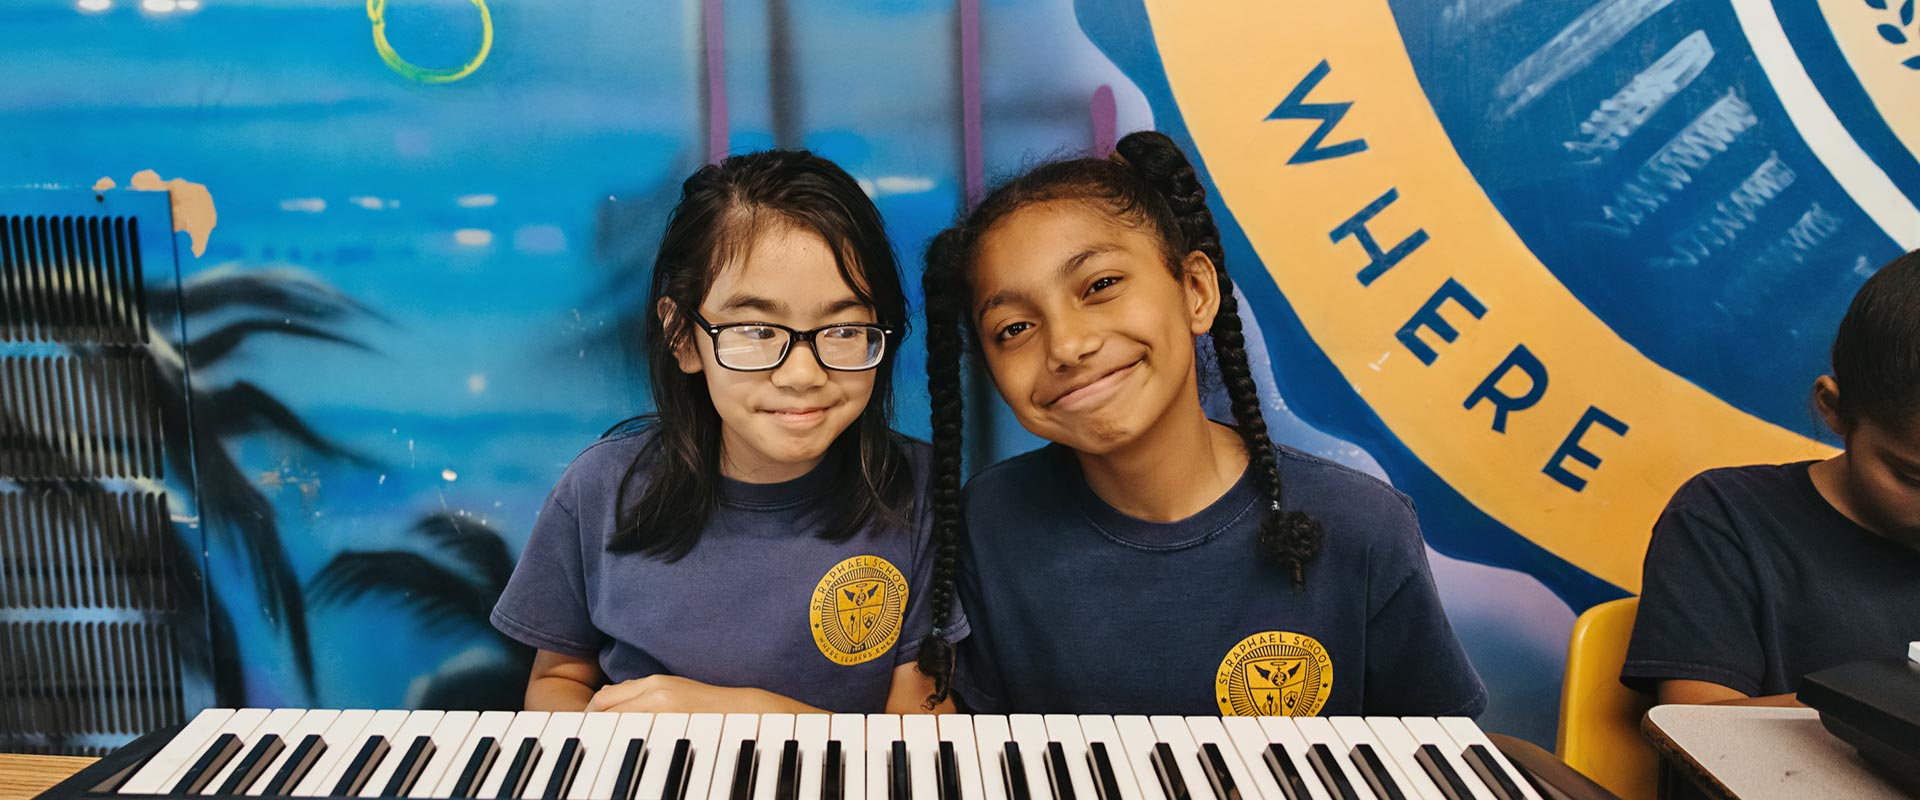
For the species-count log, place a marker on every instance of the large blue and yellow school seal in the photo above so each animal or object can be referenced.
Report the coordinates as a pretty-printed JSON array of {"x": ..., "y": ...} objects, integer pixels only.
[
  {"x": 857, "y": 610},
  {"x": 1274, "y": 674}
]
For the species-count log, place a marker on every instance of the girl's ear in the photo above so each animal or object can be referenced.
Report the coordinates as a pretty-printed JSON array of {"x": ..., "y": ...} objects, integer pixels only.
[
  {"x": 1200, "y": 285},
  {"x": 1826, "y": 398},
  {"x": 685, "y": 352}
]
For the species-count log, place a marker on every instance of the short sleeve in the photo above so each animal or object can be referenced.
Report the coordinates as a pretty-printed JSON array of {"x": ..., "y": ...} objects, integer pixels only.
[
  {"x": 1697, "y": 609},
  {"x": 545, "y": 602},
  {"x": 1415, "y": 664}
]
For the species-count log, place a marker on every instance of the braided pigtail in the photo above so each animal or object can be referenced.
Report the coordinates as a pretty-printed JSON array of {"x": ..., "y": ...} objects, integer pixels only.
[
  {"x": 945, "y": 348},
  {"x": 1289, "y": 538}
]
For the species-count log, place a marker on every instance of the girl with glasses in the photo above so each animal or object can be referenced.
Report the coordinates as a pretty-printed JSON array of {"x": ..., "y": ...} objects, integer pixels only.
[{"x": 760, "y": 542}]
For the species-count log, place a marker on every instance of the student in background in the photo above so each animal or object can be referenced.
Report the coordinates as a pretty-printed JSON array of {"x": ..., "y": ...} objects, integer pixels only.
[{"x": 1759, "y": 575}]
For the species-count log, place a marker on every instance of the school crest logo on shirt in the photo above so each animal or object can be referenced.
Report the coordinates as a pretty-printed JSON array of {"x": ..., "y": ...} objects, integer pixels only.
[
  {"x": 857, "y": 609},
  {"x": 1274, "y": 674}
]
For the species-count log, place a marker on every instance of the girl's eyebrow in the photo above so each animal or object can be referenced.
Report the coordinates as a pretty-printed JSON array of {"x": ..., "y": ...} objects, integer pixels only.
[
  {"x": 1067, "y": 267},
  {"x": 766, "y": 305}
]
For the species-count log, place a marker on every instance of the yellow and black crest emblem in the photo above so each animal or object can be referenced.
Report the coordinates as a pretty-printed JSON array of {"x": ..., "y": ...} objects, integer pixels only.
[
  {"x": 1274, "y": 674},
  {"x": 857, "y": 610}
]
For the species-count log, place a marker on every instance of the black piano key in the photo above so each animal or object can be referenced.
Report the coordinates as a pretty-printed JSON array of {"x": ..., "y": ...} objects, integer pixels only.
[
  {"x": 1169, "y": 772},
  {"x": 833, "y": 773},
  {"x": 565, "y": 765},
  {"x": 1014, "y": 768},
  {"x": 253, "y": 765},
  {"x": 1292, "y": 783},
  {"x": 1374, "y": 772},
  {"x": 408, "y": 770},
  {"x": 304, "y": 754},
  {"x": 1057, "y": 774},
  {"x": 743, "y": 772},
  {"x": 525, "y": 758},
  {"x": 478, "y": 765},
  {"x": 362, "y": 766},
  {"x": 899, "y": 773},
  {"x": 1491, "y": 773},
  {"x": 1214, "y": 763},
  {"x": 628, "y": 778},
  {"x": 1105, "y": 782},
  {"x": 1331, "y": 775},
  {"x": 679, "y": 769},
  {"x": 211, "y": 761},
  {"x": 947, "y": 774},
  {"x": 786, "y": 784},
  {"x": 1434, "y": 761}
]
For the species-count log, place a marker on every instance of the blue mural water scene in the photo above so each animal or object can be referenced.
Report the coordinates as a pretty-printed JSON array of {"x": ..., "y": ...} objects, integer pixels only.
[{"x": 411, "y": 241}]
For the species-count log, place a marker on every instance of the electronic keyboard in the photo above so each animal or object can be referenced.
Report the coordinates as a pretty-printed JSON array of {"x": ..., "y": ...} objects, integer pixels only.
[
  {"x": 1874, "y": 706},
  {"x": 254, "y": 752}
]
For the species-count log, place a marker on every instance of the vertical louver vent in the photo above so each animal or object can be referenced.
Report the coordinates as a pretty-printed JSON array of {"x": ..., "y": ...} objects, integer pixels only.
[
  {"x": 79, "y": 418},
  {"x": 74, "y": 682},
  {"x": 71, "y": 280},
  {"x": 91, "y": 550}
]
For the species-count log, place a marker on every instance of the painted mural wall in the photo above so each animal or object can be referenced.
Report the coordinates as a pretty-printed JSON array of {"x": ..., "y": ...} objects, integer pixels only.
[{"x": 1534, "y": 263}]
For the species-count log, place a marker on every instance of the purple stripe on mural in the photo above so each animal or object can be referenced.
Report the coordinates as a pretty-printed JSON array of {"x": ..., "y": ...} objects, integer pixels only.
[
  {"x": 973, "y": 166},
  {"x": 713, "y": 25},
  {"x": 1105, "y": 118}
]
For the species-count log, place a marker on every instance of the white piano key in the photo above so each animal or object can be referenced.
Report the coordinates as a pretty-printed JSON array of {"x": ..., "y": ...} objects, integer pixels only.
[
  {"x": 1186, "y": 753},
  {"x": 703, "y": 731},
  {"x": 277, "y": 722},
  {"x": 1137, "y": 738},
  {"x": 1251, "y": 742},
  {"x": 735, "y": 729},
  {"x": 959, "y": 729},
  {"x": 597, "y": 748},
  {"x": 1100, "y": 728},
  {"x": 1282, "y": 731},
  {"x": 526, "y": 725},
  {"x": 1353, "y": 732},
  {"x": 1030, "y": 732},
  {"x": 850, "y": 731},
  {"x": 1065, "y": 729},
  {"x": 341, "y": 739},
  {"x": 384, "y": 723},
  {"x": 811, "y": 731},
  {"x": 1399, "y": 745},
  {"x": 311, "y": 723},
  {"x": 563, "y": 725},
  {"x": 922, "y": 735},
  {"x": 667, "y": 730},
  {"x": 1208, "y": 730},
  {"x": 491, "y": 724},
  {"x": 417, "y": 724},
  {"x": 990, "y": 735},
  {"x": 775, "y": 730},
  {"x": 1317, "y": 730},
  {"x": 882, "y": 731},
  {"x": 1466, "y": 734},
  {"x": 447, "y": 738},
  {"x": 1427, "y": 730},
  {"x": 240, "y": 724},
  {"x": 176, "y": 754}
]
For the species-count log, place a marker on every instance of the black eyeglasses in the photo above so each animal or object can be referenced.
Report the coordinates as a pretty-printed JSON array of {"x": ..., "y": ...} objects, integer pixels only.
[{"x": 761, "y": 346}]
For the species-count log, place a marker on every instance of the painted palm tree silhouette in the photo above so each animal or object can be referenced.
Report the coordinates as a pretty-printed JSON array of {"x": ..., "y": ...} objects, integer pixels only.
[{"x": 450, "y": 592}]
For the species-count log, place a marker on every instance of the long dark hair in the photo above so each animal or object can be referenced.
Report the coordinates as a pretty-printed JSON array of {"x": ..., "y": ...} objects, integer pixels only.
[
  {"x": 1150, "y": 184},
  {"x": 723, "y": 207},
  {"x": 1876, "y": 353}
]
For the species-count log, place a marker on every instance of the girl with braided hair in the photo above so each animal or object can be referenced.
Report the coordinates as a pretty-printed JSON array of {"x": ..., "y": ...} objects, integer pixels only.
[
  {"x": 1150, "y": 560},
  {"x": 760, "y": 543}
]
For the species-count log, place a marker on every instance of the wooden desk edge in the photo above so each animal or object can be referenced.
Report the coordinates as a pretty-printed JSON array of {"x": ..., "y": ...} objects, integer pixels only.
[
  {"x": 23, "y": 776},
  {"x": 1673, "y": 754}
]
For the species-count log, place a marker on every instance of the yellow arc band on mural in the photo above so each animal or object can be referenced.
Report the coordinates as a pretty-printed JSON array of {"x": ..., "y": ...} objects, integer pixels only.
[
  {"x": 1584, "y": 468},
  {"x": 377, "y": 12}
]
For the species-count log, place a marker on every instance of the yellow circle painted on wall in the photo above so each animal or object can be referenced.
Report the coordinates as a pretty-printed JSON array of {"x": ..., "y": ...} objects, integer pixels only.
[
  {"x": 377, "y": 12},
  {"x": 857, "y": 610},
  {"x": 1274, "y": 674}
]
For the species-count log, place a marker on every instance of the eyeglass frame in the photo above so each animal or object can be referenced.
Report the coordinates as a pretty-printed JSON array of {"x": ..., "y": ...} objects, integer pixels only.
[{"x": 713, "y": 335}]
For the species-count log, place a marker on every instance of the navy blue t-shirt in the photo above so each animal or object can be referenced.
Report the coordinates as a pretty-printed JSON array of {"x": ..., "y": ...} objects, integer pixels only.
[
  {"x": 1753, "y": 580},
  {"x": 1080, "y": 608},
  {"x": 761, "y": 601}
]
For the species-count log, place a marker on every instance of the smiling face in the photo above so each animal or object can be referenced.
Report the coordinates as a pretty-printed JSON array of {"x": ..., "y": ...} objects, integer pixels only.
[
  {"x": 1087, "y": 333},
  {"x": 777, "y": 424}
]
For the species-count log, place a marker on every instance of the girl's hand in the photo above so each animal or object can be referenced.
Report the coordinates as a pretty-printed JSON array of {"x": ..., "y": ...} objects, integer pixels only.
[{"x": 674, "y": 694}]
